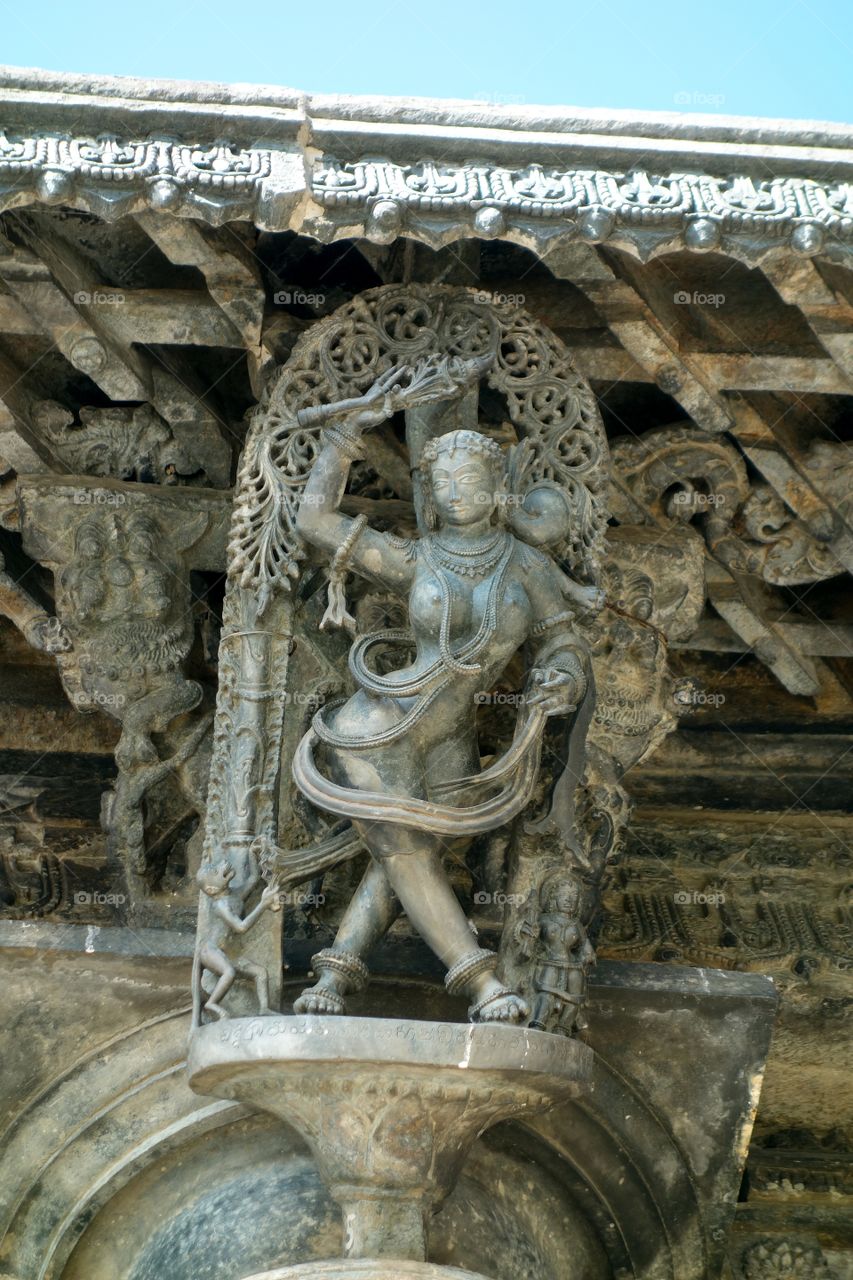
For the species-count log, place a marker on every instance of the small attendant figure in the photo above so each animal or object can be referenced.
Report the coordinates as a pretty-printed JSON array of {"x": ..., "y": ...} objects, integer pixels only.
[
  {"x": 225, "y": 919},
  {"x": 562, "y": 953}
]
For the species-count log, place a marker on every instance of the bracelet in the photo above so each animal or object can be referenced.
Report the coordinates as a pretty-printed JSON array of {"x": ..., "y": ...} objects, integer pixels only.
[
  {"x": 557, "y": 620},
  {"x": 341, "y": 557},
  {"x": 345, "y": 440}
]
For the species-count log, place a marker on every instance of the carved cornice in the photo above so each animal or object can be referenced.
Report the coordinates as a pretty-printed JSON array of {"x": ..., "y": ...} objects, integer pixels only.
[
  {"x": 112, "y": 177},
  {"x": 296, "y": 186},
  {"x": 642, "y": 210}
]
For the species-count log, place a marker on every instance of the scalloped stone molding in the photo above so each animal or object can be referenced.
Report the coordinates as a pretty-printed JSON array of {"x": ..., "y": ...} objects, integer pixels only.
[{"x": 336, "y": 167}]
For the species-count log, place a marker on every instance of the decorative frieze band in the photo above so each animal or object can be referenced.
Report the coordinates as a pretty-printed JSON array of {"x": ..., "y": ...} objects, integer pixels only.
[
  {"x": 704, "y": 210},
  {"x": 427, "y": 200},
  {"x": 111, "y": 177}
]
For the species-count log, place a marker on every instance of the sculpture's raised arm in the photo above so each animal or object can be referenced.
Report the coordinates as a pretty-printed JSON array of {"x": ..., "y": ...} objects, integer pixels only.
[{"x": 319, "y": 521}]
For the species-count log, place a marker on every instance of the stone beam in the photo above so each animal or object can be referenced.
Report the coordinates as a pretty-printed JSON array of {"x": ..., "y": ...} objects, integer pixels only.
[
  {"x": 646, "y": 337},
  {"x": 57, "y": 287},
  {"x": 829, "y": 315},
  {"x": 231, "y": 273},
  {"x": 602, "y": 363}
]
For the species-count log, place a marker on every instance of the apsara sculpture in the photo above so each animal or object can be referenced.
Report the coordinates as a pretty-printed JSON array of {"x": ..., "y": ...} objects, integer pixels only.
[{"x": 499, "y": 559}]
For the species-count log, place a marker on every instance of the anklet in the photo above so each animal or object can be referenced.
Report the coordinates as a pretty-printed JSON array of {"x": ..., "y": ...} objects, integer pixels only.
[
  {"x": 332, "y": 960},
  {"x": 470, "y": 966},
  {"x": 475, "y": 1009}
]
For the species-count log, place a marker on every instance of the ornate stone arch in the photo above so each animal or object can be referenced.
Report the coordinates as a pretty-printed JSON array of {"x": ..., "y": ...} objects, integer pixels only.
[{"x": 550, "y": 405}]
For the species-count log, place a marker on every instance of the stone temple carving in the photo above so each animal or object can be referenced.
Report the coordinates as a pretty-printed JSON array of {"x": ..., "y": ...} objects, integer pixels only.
[
  {"x": 121, "y": 567},
  {"x": 126, "y": 443},
  {"x": 494, "y": 704},
  {"x": 504, "y": 556},
  {"x": 400, "y": 758}
]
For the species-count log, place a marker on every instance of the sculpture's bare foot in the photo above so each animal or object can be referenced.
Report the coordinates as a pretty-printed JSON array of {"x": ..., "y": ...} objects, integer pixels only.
[
  {"x": 505, "y": 1008},
  {"x": 320, "y": 999},
  {"x": 215, "y": 1009},
  {"x": 498, "y": 1004},
  {"x": 266, "y": 1012}
]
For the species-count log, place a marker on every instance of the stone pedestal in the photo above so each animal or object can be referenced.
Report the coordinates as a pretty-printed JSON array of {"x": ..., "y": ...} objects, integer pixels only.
[{"x": 389, "y": 1107}]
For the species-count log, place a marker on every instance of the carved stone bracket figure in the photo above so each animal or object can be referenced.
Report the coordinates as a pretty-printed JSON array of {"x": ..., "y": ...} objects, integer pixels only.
[
  {"x": 795, "y": 529},
  {"x": 125, "y": 442},
  {"x": 507, "y": 556},
  {"x": 557, "y": 942},
  {"x": 121, "y": 555},
  {"x": 491, "y": 562}
]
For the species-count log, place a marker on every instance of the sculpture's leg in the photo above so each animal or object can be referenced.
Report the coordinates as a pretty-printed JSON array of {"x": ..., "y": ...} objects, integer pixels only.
[
  {"x": 152, "y": 713},
  {"x": 419, "y": 880},
  {"x": 217, "y": 962},
  {"x": 258, "y": 974},
  {"x": 541, "y": 1011},
  {"x": 373, "y": 909}
]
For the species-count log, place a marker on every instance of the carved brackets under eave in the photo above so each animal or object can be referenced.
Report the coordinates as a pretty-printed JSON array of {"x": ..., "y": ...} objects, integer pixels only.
[
  {"x": 54, "y": 283},
  {"x": 122, "y": 555},
  {"x": 672, "y": 475}
]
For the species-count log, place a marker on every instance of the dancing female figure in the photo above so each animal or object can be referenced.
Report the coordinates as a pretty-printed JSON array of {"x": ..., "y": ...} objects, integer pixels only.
[{"x": 400, "y": 757}]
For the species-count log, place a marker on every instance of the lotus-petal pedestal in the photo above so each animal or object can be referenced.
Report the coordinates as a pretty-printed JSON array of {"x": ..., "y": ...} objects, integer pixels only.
[{"x": 389, "y": 1107}]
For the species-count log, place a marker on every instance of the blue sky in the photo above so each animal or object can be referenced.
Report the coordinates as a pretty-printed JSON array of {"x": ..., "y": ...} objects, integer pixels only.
[{"x": 737, "y": 57}]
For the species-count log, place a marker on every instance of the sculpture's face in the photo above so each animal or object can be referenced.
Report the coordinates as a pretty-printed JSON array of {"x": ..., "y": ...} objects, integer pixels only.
[
  {"x": 215, "y": 880},
  {"x": 463, "y": 488},
  {"x": 562, "y": 896}
]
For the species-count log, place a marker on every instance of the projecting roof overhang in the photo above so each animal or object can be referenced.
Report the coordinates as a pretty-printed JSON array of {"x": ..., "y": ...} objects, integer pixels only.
[{"x": 435, "y": 171}]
